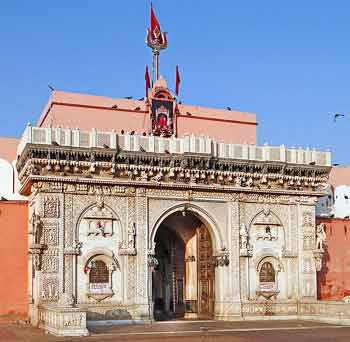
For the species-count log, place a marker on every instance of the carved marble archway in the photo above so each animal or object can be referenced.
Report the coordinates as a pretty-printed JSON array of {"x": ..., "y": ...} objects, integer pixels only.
[{"x": 200, "y": 213}]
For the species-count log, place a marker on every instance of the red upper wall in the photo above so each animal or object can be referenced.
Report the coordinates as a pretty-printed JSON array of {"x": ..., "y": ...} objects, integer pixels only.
[
  {"x": 13, "y": 256},
  {"x": 334, "y": 278},
  {"x": 86, "y": 112}
]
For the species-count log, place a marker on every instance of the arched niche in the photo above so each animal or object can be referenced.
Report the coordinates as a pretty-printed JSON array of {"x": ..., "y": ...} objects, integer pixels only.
[
  {"x": 102, "y": 274},
  {"x": 100, "y": 233},
  {"x": 268, "y": 268},
  {"x": 267, "y": 231},
  {"x": 98, "y": 220}
]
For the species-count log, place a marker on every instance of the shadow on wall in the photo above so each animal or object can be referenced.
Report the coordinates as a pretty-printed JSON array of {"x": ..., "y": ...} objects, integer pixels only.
[{"x": 322, "y": 275}]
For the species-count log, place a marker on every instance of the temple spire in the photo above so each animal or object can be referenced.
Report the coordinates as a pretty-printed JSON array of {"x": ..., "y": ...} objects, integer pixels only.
[{"x": 156, "y": 40}]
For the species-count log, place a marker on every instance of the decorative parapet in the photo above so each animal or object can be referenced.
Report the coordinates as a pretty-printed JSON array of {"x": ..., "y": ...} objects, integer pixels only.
[
  {"x": 151, "y": 144},
  {"x": 323, "y": 311},
  {"x": 171, "y": 161},
  {"x": 63, "y": 321}
]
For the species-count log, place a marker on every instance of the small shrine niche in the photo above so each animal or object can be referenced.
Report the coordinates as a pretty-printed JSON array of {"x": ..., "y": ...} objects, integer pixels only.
[
  {"x": 267, "y": 271},
  {"x": 267, "y": 227},
  {"x": 99, "y": 222},
  {"x": 99, "y": 270},
  {"x": 162, "y": 111},
  {"x": 99, "y": 276}
]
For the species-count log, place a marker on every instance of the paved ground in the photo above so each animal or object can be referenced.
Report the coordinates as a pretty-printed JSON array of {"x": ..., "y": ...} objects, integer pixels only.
[{"x": 202, "y": 331}]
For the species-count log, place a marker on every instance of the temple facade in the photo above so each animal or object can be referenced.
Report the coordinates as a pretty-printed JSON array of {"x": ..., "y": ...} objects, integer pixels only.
[{"x": 125, "y": 225}]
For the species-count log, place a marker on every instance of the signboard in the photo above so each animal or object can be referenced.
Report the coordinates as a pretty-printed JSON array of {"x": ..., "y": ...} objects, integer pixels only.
[{"x": 99, "y": 287}]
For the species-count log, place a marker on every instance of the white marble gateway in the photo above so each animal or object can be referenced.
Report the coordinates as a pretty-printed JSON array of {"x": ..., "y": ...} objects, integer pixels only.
[{"x": 142, "y": 234}]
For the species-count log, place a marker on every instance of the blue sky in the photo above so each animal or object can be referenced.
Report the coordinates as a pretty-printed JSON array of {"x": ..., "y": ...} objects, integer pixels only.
[{"x": 287, "y": 61}]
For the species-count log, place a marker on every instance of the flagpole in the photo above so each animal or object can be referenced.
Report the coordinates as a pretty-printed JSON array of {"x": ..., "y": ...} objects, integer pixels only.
[
  {"x": 157, "y": 63},
  {"x": 156, "y": 40},
  {"x": 153, "y": 66}
]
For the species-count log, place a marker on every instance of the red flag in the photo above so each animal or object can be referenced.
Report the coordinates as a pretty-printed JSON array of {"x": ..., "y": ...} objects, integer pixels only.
[
  {"x": 155, "y": 28},
  {"x": 148, "y": 82},
  {"x": 177, "y": 83}
]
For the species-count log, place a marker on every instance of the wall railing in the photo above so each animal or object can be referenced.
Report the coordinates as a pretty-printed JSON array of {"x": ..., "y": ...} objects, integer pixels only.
[{"x": 187, "y": 144}]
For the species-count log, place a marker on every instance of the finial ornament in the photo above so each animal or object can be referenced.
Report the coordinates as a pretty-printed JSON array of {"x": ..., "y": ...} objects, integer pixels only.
[{"x": 156, "y": 40}]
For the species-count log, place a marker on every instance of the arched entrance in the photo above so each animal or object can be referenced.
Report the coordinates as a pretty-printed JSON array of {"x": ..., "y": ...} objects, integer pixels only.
[{"x": 183, "y": 280}]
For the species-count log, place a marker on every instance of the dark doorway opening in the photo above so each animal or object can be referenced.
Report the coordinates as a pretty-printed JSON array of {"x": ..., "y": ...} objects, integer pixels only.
[{"x": 183, "y": 280}]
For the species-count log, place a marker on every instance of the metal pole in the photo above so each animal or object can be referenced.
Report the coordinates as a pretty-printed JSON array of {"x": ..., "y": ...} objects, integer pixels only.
[
  {"x": 153, "y": 66},
  {"x": 157, "y": 64}
]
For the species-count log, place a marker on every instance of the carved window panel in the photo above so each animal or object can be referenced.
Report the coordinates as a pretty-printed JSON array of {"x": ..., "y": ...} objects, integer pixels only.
[
  {"x": 99, "y": 272},
  {"x": 99, "y": 277},
  {"x": 267, "y": 273}
]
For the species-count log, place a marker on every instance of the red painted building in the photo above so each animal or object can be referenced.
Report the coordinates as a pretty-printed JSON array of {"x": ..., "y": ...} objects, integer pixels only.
[
  {"x": 334, "y": 278},
  {"x": 14, "y": 261}
]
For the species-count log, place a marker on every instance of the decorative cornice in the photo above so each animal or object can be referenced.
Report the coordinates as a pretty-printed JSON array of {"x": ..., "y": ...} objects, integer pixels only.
[{"x": 187, "y": 171}]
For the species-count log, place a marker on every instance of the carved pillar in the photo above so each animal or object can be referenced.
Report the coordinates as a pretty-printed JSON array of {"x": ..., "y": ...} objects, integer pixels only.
[
  {"x": 144, "y": 292},
  {"x": 67, "y": 246},
  {"x": 235, "y": 257},
  {"x": 227, "y": 274},
  {"x": 307, "y": 270},
  {"x": 132, "y": 260},
  {"x": 244, "y": 285}
]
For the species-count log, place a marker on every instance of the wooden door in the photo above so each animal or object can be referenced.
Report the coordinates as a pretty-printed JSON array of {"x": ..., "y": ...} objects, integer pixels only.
[{"x": 206, "y": 274}]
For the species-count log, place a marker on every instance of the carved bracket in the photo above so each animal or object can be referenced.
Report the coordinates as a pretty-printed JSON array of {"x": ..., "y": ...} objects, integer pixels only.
[
  {"x": 222, "y": 259},
  {"x": 35, "y": 250},
  {"x": 318, "y": 255},
  {"x": 152, "y": 261}
]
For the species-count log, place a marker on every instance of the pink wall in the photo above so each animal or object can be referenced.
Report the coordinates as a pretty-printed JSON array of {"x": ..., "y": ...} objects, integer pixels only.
[
  {"x": 334, "y": 279},
  {"x": 8, "y": 147},
  {"x": 340, "y": 175},
  {"x": 14, "y": 259},
  {"x": 87, "y": 112}
]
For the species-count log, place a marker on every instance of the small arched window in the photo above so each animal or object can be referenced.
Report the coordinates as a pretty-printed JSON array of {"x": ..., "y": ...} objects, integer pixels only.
[
  {"x": 267, "y": 273},
  {"x": 99, "y": 272}
]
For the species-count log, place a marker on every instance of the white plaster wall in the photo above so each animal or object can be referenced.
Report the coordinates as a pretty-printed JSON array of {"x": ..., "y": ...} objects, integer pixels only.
[
  {"x": 9, "y": 182},
  {"x": 6, "y": 179},
  {"x": 342, "y": 201}
]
